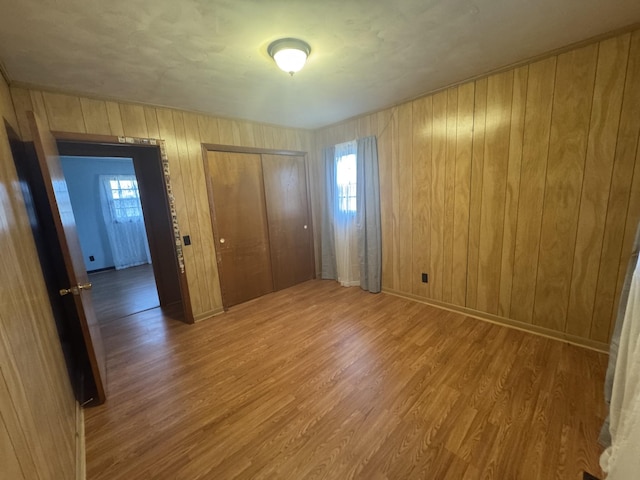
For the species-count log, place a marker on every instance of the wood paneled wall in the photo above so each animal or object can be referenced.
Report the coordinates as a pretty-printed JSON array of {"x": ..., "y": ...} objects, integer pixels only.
[
  {"x": 184, "y": 133},
  {"x": 37, "y": 406},
  {"x": 519, "y": 193}
]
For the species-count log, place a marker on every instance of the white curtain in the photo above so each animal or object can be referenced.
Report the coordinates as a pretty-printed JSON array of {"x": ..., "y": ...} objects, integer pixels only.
[
  {"x": 344, "y": 216},
  {"x": 123, "y": 220},
  {"x": 351, "y": 228},
  {"x": 621, "y": 460}
]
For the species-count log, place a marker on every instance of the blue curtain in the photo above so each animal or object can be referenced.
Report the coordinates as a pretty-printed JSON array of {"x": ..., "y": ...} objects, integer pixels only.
[
  {"x": 327, "y": 235},
  {"x": 368, "y": 215}
]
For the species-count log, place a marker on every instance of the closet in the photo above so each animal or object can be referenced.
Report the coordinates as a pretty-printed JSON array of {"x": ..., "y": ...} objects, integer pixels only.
[{"x": 261, "y": 222}]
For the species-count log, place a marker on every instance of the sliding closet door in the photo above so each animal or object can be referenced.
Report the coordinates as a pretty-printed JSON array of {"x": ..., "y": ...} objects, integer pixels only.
[
  {"x": 285, "y": 184},
  {"x": 240, "y": 226}
]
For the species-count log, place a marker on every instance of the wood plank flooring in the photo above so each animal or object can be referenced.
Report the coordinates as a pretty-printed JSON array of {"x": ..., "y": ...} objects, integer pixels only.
[
  {"x": 118, "y": 293},
  {"x": 320, "y": 381}
]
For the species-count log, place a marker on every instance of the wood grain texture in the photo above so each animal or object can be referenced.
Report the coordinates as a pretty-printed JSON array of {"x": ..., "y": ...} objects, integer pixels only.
[
  {"x": 449, "y": 192},
  {"x": 405, "y": 211},
  {"x": 477, "y": 167},
  {"x": 512, "y": 194},
  {"x": 237, "y": 199},
  {"x": 494, "y": 184},
  {"x": 438, "y": 172},
  {"x": 462, "y": 191},
  {"x": 8, "y": 457},
  {"x": 535, "y": 151},
  {"x": 183, "y": 133},
  {"x": 619, "y": 197},
  {"x": 37, "y": 406},
  {"x": 572, "y": 100},
  {"x": 338, "y": 383},
  {"x": 289, "y": 221},
  {"x": 601, "y": 147},
  {"x": 65, "y": 230},
  {"x": 549, "y": 189},
  {"x": 135, "y": 289},
  {"x": 396, "y": 195},
  {"x": 422, "y": 133}
]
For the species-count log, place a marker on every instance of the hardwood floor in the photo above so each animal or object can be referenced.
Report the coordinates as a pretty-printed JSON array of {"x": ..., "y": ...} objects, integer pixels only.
[
  {"x": 119, "y": 293},
  {"x": 320, "y": 381}
]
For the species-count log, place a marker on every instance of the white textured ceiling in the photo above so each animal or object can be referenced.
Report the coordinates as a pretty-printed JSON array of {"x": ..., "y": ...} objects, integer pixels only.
[{"x": 210, "y": 55}]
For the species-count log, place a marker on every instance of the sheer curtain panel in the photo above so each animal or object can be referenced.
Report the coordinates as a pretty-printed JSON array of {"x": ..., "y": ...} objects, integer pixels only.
[
  {"x": 351, "y": 236},
  {"x": 122, "y": 212}
]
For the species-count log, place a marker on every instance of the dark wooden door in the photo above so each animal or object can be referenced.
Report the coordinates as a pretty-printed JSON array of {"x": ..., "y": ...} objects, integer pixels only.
[
  {"x": 240, "y": 226},
  {"x": 65, "y": 226},
  {"x": 288, "y": 213}
]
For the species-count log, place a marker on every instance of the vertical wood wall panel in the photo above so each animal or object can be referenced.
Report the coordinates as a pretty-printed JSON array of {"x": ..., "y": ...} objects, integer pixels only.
[
  {"x": 631, "y": 226},
  {"x": 512, "y": 196},
  {"x": 462, "y": 190},
  {"x": 477, "y": 167},
  {"x": 405, "y": 177},
  {"x": 525, "y": 194},
  {"x": 386, "y": 212},
  {"x": 619, "y": 193},
  {"x": 396, "y": 174},
  {"x": 535, "y": 150},
  {"x": 134, "y": 122},
  {"x": 449, "y": 191},
  {"x": 601, "y": 145},
  {"x": 422, "y": 133},
  {"x": 496, "y": 158},
  {"x": 151, "y": 119},
  {"x": 95, "y": 116},
  {"x": 115, "y": 118},
  {"x": 8, "y": 455},
  {"x": 438, "y": 172},
  {"x": 572, "y": 101},
  {"x": 57, "y": 107}
]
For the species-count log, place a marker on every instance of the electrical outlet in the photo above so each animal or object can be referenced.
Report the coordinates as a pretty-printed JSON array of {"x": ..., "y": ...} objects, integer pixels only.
[
  {"x": 92, "y": 258},
  {"x": 425, "y": 278}
]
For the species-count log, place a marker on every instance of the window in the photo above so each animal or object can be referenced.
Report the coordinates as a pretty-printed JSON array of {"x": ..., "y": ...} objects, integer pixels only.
[
  {"x": 346, "y": 177},
  {"x": 126, "y": 198}
]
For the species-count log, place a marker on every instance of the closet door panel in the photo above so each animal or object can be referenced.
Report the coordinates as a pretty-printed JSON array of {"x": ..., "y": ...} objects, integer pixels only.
[
  {"x": 285, "y": 184},
  {"x": 240, "y": 225}
]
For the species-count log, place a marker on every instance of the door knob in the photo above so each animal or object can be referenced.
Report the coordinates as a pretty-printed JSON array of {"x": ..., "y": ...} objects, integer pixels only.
[
  {"x": 305, "y": 227},
  {"x": 75, "y": 290},
  {"x": 222, "y": 240}
]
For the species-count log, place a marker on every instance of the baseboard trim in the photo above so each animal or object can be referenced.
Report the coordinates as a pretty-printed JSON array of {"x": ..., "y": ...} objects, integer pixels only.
[
  {"x": 507, "y": 322},
  {"x": 81, "y": 454},
  {"x": 206, "y": 315}
]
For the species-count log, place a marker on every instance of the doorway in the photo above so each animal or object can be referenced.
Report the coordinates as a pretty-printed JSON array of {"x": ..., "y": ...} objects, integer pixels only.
[
  {"x": 170, "y": 284},
  {"x": 110, "y": 223}
]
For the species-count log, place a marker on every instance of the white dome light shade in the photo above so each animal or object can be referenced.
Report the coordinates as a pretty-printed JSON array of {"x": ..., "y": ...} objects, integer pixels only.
[{"x": 290, "y": 54}]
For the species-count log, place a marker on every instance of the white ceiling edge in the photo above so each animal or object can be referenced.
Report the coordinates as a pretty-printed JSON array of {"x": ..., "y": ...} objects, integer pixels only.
[{"x": 209, "y": 56}]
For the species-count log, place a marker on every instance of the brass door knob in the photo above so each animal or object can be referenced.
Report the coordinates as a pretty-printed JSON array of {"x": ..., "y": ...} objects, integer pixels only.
[{"x": 75, "y": 290}]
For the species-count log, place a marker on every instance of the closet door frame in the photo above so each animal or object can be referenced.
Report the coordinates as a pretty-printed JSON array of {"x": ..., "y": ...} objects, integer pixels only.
[{"x": 208, "y": 147}]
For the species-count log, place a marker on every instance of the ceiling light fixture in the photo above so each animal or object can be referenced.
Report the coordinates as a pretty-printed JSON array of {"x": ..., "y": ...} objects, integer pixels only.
[{"x": 290, "y": 54}]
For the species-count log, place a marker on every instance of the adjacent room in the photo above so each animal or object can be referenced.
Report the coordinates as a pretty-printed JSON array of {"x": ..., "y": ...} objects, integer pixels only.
[{"x": 338, "y": 240}]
